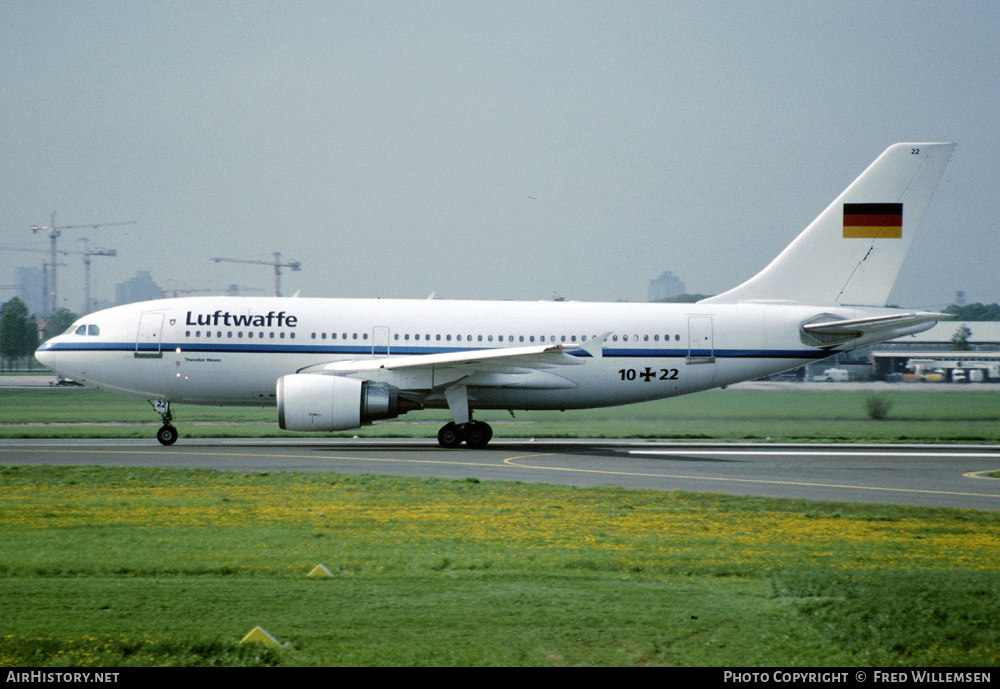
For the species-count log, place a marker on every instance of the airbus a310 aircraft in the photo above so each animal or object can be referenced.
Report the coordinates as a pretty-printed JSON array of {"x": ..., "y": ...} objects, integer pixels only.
[{"x": 337, "y": 364}]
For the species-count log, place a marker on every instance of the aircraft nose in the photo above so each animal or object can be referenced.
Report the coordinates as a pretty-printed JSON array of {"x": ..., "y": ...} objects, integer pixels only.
[{"x": 46, "y": 354}]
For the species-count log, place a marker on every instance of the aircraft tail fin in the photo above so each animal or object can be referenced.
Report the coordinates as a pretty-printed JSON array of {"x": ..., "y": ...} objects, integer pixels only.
[{"x": 851, "y": 254}]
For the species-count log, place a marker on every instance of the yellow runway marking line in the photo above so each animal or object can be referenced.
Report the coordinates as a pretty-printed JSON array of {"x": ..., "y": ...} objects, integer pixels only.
[
  {"x": 751, "y": 480},
  {"x": 512, "y": 462},
  {"x": 984, "y": 473}
]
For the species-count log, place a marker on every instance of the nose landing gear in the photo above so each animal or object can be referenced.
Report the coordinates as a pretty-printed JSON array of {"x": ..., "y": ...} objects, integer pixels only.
[{"x": 167, "y": 435}]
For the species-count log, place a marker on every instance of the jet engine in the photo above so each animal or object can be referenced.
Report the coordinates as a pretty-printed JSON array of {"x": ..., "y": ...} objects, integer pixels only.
[{"x": 313, "y": 402}]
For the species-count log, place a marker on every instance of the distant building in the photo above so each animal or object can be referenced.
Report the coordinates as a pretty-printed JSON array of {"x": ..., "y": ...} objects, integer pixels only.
[
  {"x": 139, "y": 288},
  {"x": 32, "y": 290},
  {"x": 667, "y": 285}
]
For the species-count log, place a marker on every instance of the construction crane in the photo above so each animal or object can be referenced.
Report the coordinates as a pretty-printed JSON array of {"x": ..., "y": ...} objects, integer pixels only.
[
  {"x": 232, "y": 290},
  {"x": 278, "y": 265},
  {"x": 54, "y": 234},
  {"x": 87, "y": 253},
  {"x": 176, "y": 292}
]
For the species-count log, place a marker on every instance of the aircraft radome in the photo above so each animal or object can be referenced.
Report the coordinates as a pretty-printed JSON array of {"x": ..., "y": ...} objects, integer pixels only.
[{"x": 337, "y": 364}]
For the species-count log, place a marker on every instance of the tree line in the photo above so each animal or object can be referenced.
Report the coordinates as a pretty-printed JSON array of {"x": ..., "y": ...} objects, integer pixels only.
[
  {"x": 19, "y": 332},
  {"x": 974, "y": 312}
]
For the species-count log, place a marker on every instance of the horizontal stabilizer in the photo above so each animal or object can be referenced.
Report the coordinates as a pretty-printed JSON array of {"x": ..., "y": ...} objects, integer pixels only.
[{"x": 830, "y": 333}]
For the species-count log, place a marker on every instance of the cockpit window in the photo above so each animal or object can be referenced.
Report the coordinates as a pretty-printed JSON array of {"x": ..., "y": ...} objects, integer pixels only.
[
  {"x": 93, "y": 330},
  {"x": 82, "y": 330},
  {"x": 85, "y": 330}
]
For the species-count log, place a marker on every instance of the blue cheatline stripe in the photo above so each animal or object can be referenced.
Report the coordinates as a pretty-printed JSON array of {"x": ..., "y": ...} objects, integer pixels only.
[{"x": 355, "y": 350}]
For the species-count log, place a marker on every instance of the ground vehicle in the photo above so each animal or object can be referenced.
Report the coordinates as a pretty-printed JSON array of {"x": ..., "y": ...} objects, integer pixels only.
[{"x": 831, "y": 375}]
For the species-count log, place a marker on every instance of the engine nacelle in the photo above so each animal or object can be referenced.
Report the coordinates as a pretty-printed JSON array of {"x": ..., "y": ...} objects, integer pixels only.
[{"x": 313, "y": 402}]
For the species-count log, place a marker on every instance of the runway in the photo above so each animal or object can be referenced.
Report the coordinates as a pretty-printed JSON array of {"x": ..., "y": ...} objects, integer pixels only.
[{"x": 929, "y": 475}]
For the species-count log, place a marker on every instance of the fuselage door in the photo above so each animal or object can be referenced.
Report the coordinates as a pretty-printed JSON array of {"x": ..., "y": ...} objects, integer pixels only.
[
  {"x": 148, "y": 339},
  {"x": 380, "y": 341},
  {"x": 701, "y": 341}
]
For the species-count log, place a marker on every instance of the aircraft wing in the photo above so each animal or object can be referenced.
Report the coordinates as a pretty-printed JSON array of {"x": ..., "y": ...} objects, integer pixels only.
[
  {"x": 830, "y": 333},
  {"x": 496, "y": 367}
]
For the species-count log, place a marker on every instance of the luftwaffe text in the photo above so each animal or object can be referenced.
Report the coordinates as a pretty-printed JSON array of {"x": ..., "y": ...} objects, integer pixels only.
[{"x": 271, "y": 320}]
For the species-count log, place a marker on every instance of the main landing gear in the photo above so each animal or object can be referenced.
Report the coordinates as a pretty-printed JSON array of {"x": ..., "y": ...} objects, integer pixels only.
[
  {"x": 463, "y": 429},
  {"x": 167, "y": 435},
  {"x": 475, "y": 434}
]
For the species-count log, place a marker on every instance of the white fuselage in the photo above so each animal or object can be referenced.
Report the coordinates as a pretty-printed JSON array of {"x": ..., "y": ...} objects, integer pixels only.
[{"x": 232, "y": 350}]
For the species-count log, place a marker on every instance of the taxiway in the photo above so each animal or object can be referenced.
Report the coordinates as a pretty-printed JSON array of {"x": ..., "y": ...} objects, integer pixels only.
[{"x": 929, "y": 475}]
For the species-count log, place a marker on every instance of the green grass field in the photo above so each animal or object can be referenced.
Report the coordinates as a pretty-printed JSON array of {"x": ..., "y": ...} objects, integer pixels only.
[
  {"x": 112, "y": 567},
  {"x": 117, "y": 567}
]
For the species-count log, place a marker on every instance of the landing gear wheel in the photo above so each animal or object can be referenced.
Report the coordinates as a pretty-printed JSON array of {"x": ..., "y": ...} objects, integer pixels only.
[
  {"x": 167, "y": 435},
  {"x": 477, "y": 434},
  {"x": 450, "y": 435}
]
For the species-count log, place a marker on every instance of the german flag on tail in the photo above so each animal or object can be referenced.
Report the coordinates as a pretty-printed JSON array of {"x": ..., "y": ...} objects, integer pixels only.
[{"x": 873, "y": 220}]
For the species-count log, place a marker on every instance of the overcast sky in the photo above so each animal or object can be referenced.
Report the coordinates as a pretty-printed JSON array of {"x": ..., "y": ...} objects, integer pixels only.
[{"x": 486, "y": 150}]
